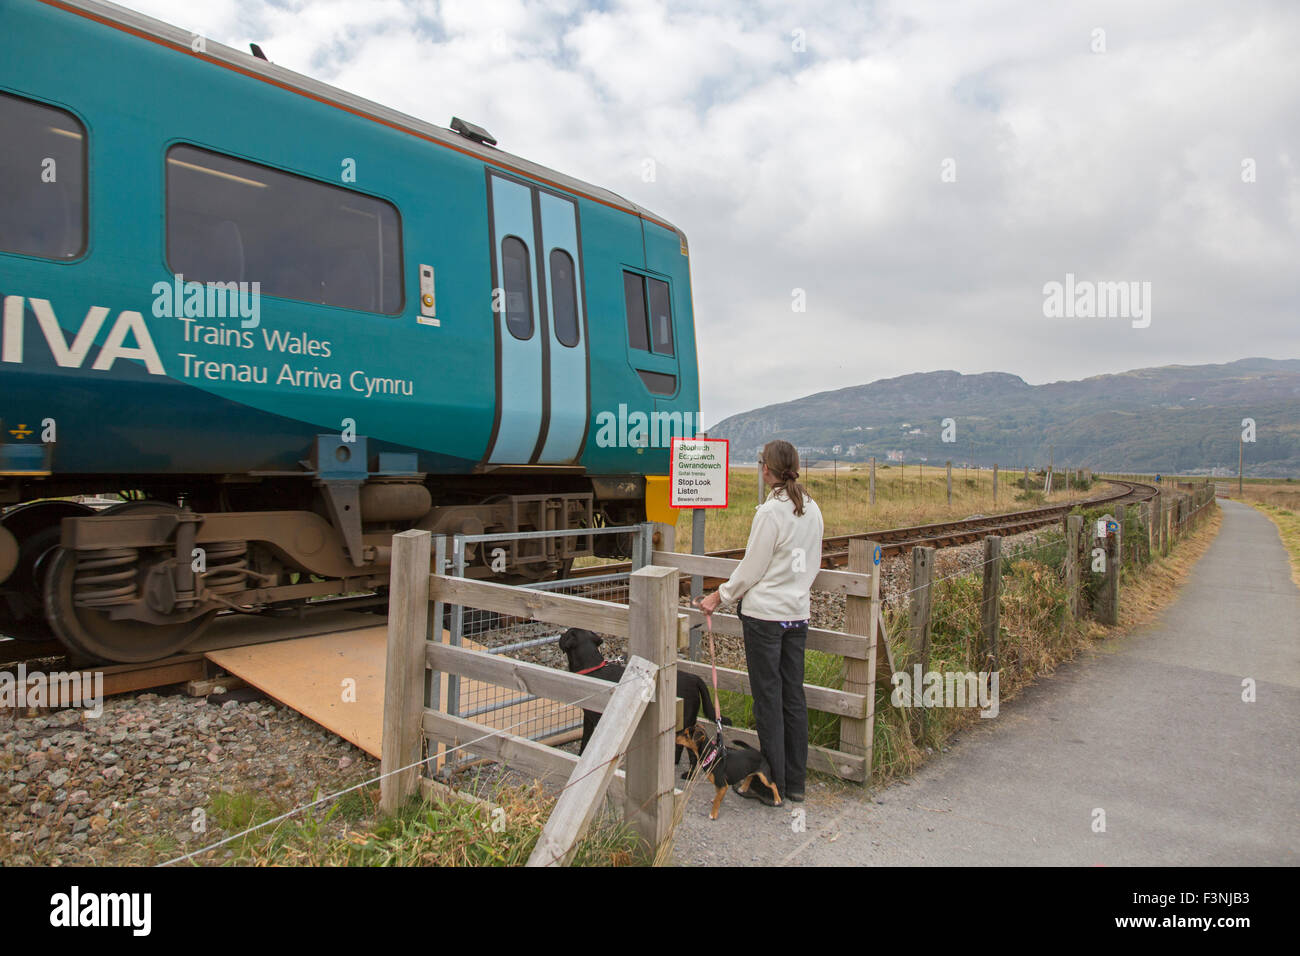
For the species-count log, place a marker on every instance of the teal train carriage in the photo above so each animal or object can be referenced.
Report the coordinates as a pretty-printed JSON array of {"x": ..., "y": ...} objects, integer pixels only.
[{"x": 285, "y": 323}]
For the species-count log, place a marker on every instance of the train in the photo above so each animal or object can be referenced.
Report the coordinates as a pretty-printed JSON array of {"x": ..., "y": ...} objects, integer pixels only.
[{"x": 281, "y": 323}]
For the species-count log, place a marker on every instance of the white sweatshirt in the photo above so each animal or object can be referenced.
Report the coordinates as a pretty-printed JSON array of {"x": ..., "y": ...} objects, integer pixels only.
[{"x": 782, "y": 557}]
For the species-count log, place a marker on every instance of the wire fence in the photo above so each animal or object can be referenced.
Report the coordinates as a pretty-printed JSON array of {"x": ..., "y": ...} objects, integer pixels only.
[{"x": 536, "y": 718}]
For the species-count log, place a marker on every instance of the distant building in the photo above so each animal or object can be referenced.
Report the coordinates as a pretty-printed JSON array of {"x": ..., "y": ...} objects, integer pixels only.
[
  {"x": 893, "y": 456},
  {"x": 835, "y": 449}
]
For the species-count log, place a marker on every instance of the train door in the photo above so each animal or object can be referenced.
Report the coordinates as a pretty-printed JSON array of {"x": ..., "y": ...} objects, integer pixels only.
[{"x": 540, "y": 315}]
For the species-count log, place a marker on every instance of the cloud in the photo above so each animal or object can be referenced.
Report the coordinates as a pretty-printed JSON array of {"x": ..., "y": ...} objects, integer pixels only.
[{"x": 801, "y": 145}]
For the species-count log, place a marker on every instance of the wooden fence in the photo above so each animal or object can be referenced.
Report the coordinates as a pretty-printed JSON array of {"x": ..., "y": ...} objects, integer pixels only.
[
  {"x": 639, "y": 712},
  {"x": 862, "y": 644}
]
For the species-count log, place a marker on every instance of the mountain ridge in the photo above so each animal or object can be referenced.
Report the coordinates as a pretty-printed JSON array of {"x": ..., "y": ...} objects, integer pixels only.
[{"x": 1190, "y": 419}]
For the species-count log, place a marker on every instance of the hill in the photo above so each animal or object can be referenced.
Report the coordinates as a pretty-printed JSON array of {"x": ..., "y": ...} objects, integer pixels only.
[{"x": 1176, "y": 419}]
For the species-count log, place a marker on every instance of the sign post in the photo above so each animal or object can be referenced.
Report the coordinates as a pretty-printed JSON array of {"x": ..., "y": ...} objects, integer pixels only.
[{"x": 698, "y": 466}]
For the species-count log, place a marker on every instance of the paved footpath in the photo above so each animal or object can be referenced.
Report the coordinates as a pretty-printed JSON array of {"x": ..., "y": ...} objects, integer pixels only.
[{"x": 1149, "y": 727}]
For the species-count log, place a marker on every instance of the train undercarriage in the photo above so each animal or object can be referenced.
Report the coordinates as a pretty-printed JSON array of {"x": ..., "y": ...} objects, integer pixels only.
[{"x": 141, "y": 578}]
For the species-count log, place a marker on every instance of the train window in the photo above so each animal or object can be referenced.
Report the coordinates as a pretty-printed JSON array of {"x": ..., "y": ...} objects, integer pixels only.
[
  {"x": 658, "y": 383},
  {"x": 661, "y": 317},
  {"x": 42, "y": 180},
  {"x": 564, "y": 298},
  {"x": 648, "y": 328},
  {"x": 233, "y": 221},
  {"x": 634, "y": 296},
  {"x": 518, "y": 287}
]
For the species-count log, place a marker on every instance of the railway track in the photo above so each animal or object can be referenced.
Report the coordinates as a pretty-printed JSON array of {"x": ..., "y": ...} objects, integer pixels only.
[
  {"x": 944, "y": 534},
  {"x": 235, "y": 630},
  {"x": 229, "y": 630},
  {"x": 948, "y": 534}
]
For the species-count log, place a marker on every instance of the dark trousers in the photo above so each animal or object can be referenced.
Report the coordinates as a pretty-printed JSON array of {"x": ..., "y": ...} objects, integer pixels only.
[{"x": 774, "y": 656}]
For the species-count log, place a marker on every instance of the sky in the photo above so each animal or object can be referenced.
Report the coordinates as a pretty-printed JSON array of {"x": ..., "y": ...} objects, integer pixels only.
[{"x": 871, "y": 189}]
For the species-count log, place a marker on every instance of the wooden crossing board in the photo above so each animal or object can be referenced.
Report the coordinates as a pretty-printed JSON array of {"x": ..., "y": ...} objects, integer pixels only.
[{"x": 308, "y": 674}]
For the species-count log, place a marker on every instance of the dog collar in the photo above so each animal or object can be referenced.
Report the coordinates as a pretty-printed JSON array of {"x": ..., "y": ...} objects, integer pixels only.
[{"x": 609, "y": 660}]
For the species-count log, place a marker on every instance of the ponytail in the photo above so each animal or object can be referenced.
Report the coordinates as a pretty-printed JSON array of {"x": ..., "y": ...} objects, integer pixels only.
[{"x": 782, "y": 461}]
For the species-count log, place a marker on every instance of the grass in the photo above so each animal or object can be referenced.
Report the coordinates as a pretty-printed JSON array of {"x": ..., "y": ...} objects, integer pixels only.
[
  {"x": 436, "y": 832},
  {"x": 911, "y": 495}
]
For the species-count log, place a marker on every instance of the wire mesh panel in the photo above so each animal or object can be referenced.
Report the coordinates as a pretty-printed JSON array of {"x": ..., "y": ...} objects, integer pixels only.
[{"x": 507, "y": 708}]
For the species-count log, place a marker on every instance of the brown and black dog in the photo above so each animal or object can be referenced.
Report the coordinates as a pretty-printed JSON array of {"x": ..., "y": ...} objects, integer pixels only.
[
  {"x": 739, "y": 766},
  {"x": 582, "y": 647}
]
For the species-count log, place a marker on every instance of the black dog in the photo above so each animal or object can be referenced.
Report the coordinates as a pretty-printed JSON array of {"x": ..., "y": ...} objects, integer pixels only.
[
  {"x": 739, "y": 765},
  {"x": 582, "y": 648}
]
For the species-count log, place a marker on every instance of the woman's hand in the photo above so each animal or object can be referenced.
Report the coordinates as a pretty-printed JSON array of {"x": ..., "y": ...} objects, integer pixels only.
[{"x": 708, "y": 605}]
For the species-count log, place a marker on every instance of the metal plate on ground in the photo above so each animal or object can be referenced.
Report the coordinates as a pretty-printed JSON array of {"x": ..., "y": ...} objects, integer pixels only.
[
  {"x": 335, "y": 679},
  {"x": 309, "y": 675}
]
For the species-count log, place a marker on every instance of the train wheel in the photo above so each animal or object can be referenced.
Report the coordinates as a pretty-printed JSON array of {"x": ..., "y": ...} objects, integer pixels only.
[
  {"x": 93, "y": 632},
  {"x": 36, "y": 528}
]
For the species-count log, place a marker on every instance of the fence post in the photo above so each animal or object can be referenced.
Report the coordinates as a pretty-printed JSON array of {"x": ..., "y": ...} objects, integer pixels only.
[
  {"x": 433, "y": 680},
  {"x": 1153, "y": 528},
  {"x": 873, "y": 479},
  {"x": 1144, "y": 542},
  {"x": 1026, "y": 479},
  {"x": 918, "y": 611},
  {"x": 580, "y": 798},
  {"x": 648, "y": 805},
  {"x": 697, "y": 580},
  {"x": 918, "y": 616},
  {"x": 1107, "y": 609},
  {"x": 408, "y": 630},
  {"x": 1073, "y": 531},
  {"x": 1120, "y": 513},
  {"x": 989, "y": 602},
  {"x": 1167, "y": 531},
  {"x": 995, "y": 485},
  {"x": 950, "y": 483},
  {"x": 861, "y": 616}
]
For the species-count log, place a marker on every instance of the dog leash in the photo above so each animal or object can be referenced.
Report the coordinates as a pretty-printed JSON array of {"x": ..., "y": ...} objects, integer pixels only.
[{"x": 715, "y": 751}]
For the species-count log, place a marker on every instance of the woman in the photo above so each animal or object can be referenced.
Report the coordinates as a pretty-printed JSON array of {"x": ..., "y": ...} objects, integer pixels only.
[{"x": 772, "y": 583}]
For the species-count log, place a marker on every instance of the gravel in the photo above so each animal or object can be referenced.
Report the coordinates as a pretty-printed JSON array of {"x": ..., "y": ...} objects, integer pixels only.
[{"x": 124, "y": 788}]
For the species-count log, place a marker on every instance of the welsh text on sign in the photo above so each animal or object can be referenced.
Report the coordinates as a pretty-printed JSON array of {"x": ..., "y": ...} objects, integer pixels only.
[{"x": 698, "y": 475}]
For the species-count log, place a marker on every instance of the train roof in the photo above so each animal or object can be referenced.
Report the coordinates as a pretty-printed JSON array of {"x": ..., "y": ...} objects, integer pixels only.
[{"x": 180, "y": 41}]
